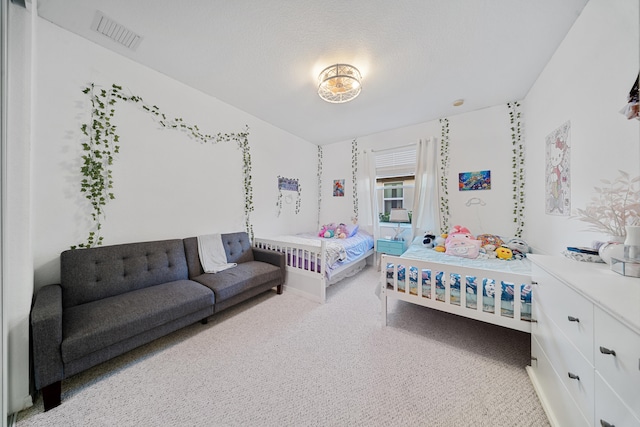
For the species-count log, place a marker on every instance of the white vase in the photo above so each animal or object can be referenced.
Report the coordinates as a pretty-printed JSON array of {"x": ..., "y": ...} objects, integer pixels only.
[
  {"x": 610, "y": 250},
  {"x": 632, "y": 242}
]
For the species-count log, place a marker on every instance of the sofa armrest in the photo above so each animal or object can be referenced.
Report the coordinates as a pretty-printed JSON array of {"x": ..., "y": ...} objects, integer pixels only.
[
  {"x": 271, "y": 257},
  {"x": 46, "y": 335}
]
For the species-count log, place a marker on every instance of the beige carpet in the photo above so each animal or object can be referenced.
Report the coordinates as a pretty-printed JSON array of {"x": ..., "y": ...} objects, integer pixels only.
[{"x": 281, "y": 360}]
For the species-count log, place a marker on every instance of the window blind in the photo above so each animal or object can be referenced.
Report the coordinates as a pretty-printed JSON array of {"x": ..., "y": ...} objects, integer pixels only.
[{"x": 396, "y": 163}]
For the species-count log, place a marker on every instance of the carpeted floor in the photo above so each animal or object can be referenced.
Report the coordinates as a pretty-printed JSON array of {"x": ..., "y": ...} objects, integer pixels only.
[{"x": 281, "y": 360}]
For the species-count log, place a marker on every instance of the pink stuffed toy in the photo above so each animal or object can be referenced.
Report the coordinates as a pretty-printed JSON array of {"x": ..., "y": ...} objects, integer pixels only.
[
  {"x": 460, "y": 242},
  {"x": 341, "y": 231},
  {"x": 459, "y": 231},
  {"x": 327, "y": 231}
]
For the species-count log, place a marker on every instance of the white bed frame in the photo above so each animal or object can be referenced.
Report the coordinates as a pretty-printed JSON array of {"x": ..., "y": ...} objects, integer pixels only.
[
  {"x": 477, "y": 313},
  {"x": 301, "y": 279}
]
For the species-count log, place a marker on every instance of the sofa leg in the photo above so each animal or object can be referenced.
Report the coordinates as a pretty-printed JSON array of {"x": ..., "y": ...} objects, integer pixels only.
[
  {"x": 51, "y": 395},
  {"x": 279, "y": 289},
  {"x": 205, "y": 321}
]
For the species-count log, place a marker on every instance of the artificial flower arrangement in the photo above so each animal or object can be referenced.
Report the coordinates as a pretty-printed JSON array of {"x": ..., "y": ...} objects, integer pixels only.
[{"x": 614, "y": 206}]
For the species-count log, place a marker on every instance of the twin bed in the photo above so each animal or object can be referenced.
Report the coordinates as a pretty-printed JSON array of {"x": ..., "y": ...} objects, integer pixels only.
[
  {"x": 313, "y": 263},
  {"x": 490, "y": 290}
]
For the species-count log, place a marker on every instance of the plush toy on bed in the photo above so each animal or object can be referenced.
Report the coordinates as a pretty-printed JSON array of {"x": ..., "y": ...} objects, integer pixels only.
[
  {"x": 439, "y": 243},
  {"x": 429, "y": 240},
  {"x": 488, "y": 245},
  {"x": 327, "y": 231},
  {"x": 460, "y": 242},
  {"x": 503, "y": 252},
  {"x": 341, "y": 231},
  {"x": 518, "y": 247}
]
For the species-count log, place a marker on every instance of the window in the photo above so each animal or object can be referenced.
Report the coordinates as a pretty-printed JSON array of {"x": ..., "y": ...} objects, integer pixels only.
[{"x": 395, "y": 182}]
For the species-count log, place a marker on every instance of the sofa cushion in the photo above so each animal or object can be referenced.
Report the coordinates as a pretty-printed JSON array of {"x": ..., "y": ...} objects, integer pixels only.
[
  {"x": 101, "y": 272},
  {"x": 247, "y": 275},
  {"x": 95, "y": 325},
  {"x": 237, "y": 247}
]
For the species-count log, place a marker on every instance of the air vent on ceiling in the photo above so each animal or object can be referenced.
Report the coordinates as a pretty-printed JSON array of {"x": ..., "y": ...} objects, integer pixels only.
[{"x": 116, "y": 32}]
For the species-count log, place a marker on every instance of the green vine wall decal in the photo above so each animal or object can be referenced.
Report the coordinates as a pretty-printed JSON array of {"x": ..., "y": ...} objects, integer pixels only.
[
  {"x": 517, "y": 163},
  {"x": 354, "y": 178},
  {"x": 319, "y": 182},
  {"x": 100, "y": 147},
  {"x": 444, "y": 180}
]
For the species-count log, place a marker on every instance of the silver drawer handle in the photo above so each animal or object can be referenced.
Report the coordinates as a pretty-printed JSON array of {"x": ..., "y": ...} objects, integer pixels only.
[
  {"x": 605, "y": 350},
  {"x": 603, "y": 423},
  {"x": 574, "y": 376},
  {"x": 573, "y": 319}
]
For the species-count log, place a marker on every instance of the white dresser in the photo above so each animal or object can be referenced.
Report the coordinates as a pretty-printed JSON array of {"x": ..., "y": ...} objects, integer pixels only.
[{"x": 585, "y": 343}]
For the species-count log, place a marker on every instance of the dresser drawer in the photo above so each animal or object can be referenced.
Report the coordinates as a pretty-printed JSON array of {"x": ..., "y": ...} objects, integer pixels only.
[
  {"x": 390, "y": 247},
  {"x": 560, "y": 407},
  {"x": 572, "y": 313},
  {"x": 574, "y": 371},
  {"x": 610, "y": 410},
  {"x": 621, "y": 371}
]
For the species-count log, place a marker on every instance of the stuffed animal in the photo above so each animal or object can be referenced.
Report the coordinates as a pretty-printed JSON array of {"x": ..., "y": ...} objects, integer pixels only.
[
  {"x": 488, "y": 251},
  {"x": 459, "y": 231},
  {"x": 327, "y": 231},
  {"x": 503, "y": 252},
  {"x": 460, "y": 242},
  {"x": 461, "y": 245},
  {"x": 429, "y": 240},
  {"x": 439, "y": 243},
  {"x": 489, "y": 242},
  {"x": 341, "y": 231},
  {"x": 519, "y": 247}
]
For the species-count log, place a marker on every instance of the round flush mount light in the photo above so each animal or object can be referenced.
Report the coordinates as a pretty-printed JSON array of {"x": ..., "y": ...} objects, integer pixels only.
[
  {"x": 458, "y": 102},
  {"x": 339, "y": 83}
]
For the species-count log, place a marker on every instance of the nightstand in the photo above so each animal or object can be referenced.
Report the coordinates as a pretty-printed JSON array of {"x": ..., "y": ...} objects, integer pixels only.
[{"x": 389, "y": 247}]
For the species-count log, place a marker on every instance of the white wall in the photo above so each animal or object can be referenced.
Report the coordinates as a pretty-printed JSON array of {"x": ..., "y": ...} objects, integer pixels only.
[
  {"x": 586, "y": 82},
  {"x": 479, "y": 140},
  {"x": 18, "y": 266},
  {"x": 166, "y": 185}
]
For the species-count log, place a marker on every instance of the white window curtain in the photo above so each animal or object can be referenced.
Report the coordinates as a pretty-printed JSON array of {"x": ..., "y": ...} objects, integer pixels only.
[
  {"x": 369, "y": 207},
  {"x": 426, "y": 216}
]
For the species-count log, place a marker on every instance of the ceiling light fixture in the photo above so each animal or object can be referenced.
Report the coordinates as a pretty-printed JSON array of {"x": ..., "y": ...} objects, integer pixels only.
[
  {"x": 458, "y": 102},
  {"x": 339, "y": 83}
]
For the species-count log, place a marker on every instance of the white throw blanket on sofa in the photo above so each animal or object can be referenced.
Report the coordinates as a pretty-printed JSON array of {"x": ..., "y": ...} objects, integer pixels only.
[{"x": 212, "y": 255}]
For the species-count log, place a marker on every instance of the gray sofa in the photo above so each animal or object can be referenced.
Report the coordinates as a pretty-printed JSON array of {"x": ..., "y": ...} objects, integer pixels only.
[{"x": 112, "y": 299}]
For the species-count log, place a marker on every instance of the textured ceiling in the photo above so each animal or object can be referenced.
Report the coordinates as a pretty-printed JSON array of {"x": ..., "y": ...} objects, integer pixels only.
[{"x": 264, "y": 56}]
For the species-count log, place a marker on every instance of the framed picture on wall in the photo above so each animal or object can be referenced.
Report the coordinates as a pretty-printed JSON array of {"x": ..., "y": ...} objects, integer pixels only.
[
  {"x": 338, "y": 188},
  {"x": 480, "y": 180},
  {"x": 289, "y": 184},
  {"x": 558, "y": 176}
]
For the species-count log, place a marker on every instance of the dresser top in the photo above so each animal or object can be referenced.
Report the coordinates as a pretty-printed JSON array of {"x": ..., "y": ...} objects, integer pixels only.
[{"x": 616, "y": 294}]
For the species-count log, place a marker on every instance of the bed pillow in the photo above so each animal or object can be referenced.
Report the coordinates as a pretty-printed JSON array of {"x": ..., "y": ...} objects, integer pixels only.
[{"x": 352, "y": 229}]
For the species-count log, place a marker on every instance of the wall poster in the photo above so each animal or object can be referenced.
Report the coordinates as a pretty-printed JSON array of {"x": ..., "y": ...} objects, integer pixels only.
[
  {"x": 338, "y": 188},
  {"x": 480, "y": 180},
  {"x": 558, "y": 172}
]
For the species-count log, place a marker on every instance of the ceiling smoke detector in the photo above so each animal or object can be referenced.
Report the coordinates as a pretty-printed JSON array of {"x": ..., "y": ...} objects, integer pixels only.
[{"x": 116, "y": 32}]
